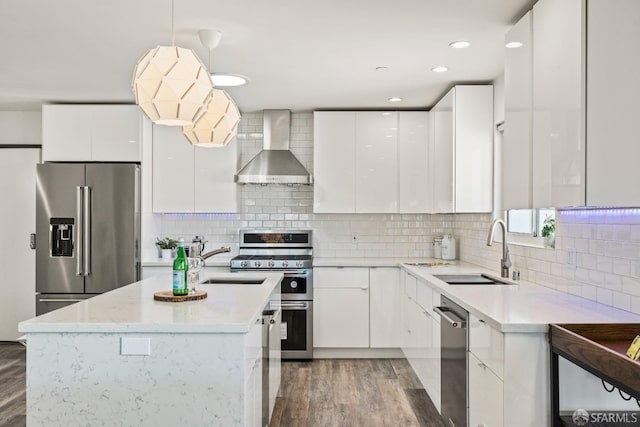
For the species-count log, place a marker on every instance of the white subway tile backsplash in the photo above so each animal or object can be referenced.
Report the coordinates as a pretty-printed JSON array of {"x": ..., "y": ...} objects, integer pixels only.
[
  {"x": 608, "y": 254},
  {"x": 607, "y": 242}
]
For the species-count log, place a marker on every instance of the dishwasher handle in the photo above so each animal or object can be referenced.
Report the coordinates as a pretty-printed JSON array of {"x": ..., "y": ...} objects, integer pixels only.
[{"x": 450, "y": 317}]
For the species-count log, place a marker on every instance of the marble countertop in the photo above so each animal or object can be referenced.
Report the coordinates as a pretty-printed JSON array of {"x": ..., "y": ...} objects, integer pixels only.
[
  {"x": 520, "y": 306},
  {"x": 131, "y": 309},
  {"x": 215, "y": 261},
  {"x": 368, "y": 262}
]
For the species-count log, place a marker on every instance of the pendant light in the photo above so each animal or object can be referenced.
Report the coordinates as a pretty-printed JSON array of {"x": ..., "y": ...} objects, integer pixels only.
[
  {"x": 171, "y": 85},
  {"x": 219, "y": 125}
]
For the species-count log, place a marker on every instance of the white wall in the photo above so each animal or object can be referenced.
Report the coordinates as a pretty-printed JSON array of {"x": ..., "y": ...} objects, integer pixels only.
[{"x": 20, "y": 127}]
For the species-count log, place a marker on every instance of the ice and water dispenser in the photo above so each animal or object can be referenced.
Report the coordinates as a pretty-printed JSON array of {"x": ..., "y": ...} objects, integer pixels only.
[{"x": 61, "y": 237}]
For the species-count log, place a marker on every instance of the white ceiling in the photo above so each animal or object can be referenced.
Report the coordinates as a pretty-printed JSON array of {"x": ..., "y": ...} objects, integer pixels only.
[{"x": 299, "y": 54}]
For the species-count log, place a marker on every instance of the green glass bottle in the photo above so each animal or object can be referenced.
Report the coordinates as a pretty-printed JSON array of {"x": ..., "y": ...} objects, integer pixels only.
[{"x": 180, "y": 269}]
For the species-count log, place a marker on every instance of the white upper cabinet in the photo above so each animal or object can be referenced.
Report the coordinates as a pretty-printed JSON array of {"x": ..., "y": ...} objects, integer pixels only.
[
  {"x": 334, "y": 159},
  {"x": 173, "y": 177},
  {"x": 463, "y": 150},
  {"x": 372, "y": 162},
  {"x": 376, "y": 162},
  {"x": 613, "y": 110},
  {"x": 214, "y": 187},
  {"x": 443, "y": 147},
  {"x": 109, "y": 133},
  {"x": 516, "y": 154},
  {"x": 415, "y": 159},
  {"x": 188, "y": 179},
  {"x": 558, "y": 104}
]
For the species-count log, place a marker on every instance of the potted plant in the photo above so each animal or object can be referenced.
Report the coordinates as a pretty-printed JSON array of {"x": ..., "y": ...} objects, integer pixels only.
[
  {"x": 548, "y": 232},
  {"x": 167, "y": 247}
]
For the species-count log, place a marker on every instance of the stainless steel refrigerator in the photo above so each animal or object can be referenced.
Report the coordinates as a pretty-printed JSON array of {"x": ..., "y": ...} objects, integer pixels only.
[{"x": 87, "y": 231}]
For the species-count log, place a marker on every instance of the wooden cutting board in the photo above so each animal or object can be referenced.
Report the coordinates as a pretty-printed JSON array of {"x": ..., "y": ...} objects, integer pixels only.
[{"x": 168, "y": 296}]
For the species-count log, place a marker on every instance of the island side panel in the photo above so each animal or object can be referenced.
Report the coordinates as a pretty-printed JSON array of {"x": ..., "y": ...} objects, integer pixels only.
[
  {"x": 526, "y": 380},
  {"x": 187, "y": 380}
]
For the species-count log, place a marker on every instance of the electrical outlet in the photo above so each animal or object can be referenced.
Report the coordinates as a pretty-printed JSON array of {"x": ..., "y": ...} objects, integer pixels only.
[{"x": 572, "y": 257}]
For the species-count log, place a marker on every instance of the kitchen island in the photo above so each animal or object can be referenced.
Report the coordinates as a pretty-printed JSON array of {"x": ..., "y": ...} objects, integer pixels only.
[{"x": 122, "y": 358}]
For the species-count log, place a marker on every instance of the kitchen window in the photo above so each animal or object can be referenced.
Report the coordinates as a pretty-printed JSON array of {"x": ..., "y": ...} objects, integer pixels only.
[{"x": 525, "y": 225}]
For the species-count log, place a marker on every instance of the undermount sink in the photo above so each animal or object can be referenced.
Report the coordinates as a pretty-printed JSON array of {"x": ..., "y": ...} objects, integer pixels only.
[
  {"x": 232, "y": 281},
  {"x": 469, "y": 279}
]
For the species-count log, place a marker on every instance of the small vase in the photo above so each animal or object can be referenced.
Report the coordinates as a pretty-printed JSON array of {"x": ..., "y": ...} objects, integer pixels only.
[
  {"x": 549, "y": 242},
  {"x": 166, "y": 254}
]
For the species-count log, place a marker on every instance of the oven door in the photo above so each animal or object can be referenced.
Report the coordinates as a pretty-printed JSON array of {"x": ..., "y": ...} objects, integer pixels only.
[
  {"x": 297, "y": 330},
  {"x": 297, "y": 285}
]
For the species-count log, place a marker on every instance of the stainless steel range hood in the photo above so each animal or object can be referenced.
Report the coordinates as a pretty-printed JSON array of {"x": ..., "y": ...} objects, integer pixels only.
[{"x": 275, "y": 164}]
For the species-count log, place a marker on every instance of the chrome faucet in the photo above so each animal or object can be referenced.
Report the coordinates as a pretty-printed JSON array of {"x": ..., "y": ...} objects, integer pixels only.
[
  {"x": 505, "y": 262},
  {"x": 212, "y": 253}
]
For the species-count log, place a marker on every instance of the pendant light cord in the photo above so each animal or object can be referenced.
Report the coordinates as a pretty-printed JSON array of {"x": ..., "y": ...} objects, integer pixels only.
[{"x": 173, "y": 32}]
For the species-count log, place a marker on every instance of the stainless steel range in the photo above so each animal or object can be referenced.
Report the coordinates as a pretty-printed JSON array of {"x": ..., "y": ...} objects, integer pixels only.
[{"x": 291, "y": 253}]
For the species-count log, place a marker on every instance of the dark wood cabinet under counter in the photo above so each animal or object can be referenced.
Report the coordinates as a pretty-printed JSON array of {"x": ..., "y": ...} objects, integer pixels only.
[{"x": 599, "y": 349}]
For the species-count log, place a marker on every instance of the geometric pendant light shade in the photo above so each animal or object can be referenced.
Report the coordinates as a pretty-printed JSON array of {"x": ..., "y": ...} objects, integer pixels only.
[
  {"x": 172, "y": 86},
  {"x": 218, "y": 126}
]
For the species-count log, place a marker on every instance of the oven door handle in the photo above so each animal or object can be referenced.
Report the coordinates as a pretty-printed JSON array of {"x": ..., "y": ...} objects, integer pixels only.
[
  {"x": 300, "y": 272},
  {"x": 294, "y": 305}
]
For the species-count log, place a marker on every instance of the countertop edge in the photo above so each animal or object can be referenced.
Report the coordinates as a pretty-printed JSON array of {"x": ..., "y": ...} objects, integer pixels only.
[{"x": 36, "y": 325}]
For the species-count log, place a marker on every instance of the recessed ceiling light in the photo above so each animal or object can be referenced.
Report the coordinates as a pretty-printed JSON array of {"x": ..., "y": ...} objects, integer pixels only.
[
  {"x": 395, "y": 99},
  {"x": 459, "y": 44},
  {"x": 386, "y": 113},
  {"x": 513, "y": 45},
  {"x": 439, "y": 69},
  {"x": 382, "y": 68},
  {"x": 224, "y": 79}
]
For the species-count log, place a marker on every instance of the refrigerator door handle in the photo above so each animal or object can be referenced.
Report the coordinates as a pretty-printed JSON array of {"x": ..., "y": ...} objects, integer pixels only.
[
  {"x": 79, "y": 240},
  {"x": 86, "y": 232}
]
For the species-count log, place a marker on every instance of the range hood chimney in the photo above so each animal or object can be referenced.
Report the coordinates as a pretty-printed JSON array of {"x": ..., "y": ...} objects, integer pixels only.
[{"x": 275, "y": 164}]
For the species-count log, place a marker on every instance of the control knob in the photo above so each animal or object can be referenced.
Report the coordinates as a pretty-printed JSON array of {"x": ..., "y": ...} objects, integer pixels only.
[
  {"x": 272, "y": 264},
  {"x": 299, "y": 263},
  {"x": 243, "y": 264},
  {"x": 285, "y": 264},
  {"x": 257, "y": 264}
]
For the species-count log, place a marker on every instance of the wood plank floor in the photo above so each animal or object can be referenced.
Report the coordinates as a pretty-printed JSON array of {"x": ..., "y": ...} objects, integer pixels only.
[
  {"x": 12, "y": 385},
  {"x": 352, "y": 392},
  {"x": 322, "y": 392}
]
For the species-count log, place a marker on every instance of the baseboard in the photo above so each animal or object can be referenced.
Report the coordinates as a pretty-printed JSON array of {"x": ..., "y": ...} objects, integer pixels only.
[{"x": 357, "y": 353}]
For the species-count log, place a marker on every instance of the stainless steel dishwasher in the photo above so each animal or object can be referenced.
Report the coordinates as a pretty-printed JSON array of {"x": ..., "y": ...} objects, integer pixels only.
[{"x": 453, "y": 362}]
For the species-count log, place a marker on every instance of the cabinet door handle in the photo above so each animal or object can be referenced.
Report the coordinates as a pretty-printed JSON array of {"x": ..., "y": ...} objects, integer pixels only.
[
  {"x": 364, "y": 288},
  {"x": 482, "y": 365}
]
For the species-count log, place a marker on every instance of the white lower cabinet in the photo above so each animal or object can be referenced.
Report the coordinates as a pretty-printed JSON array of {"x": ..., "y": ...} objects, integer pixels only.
[
  {"x": 487, "y": 344},
  {"x": 421, "y": 334},
  {"x": 357, "y": 307},
  {"x": 384, "y": 308},
  {"x": 485, "y": 395},
  {"x": 485, "y": 375},
  {"x": 341, "y": 307}
]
